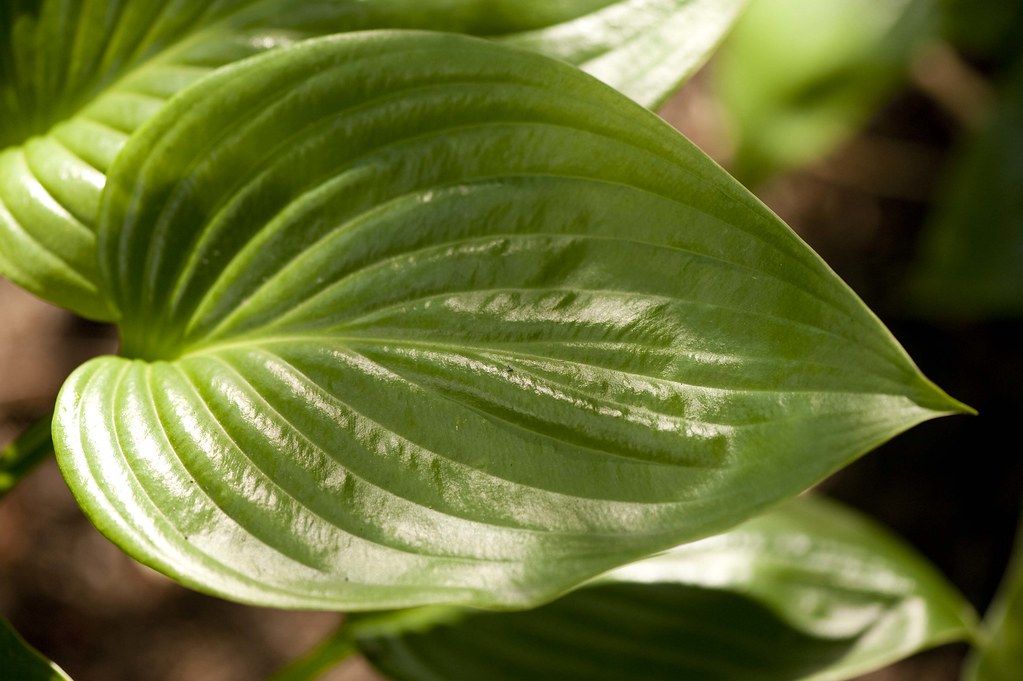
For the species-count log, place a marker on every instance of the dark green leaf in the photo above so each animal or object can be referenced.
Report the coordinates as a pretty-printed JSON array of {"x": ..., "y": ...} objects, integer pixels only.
[
  {"x": 1000, "y": 656},
  {"x": 417, "y": 318},
  {"x": 812, "y": 591},
  {"x": 972, "y": 257},
  {"x": 800, "y": 77},
  {"x": 984, "y": 28},
  {"x": 78, "y": 76},
  {"x": 19, "y": 662}
]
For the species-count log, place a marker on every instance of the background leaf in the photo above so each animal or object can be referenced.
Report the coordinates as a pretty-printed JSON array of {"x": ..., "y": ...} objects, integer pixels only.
[
  {"x": 811, "y": 591},
  {"x": 18, "y": 661},
  {"x": 972, "y": 255},
  {"x": 800, "y": 77},
  {"x": 416, "y": 318},
  {"x": 18, "y": 458},
  {"x": 78, "y": 76},
  {"x": 999, "y": 656},
  {"x": 643, "y": 48}
]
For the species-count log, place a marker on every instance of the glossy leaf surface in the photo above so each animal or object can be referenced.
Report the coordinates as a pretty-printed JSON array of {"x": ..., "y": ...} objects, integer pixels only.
[
  {"x": 76, "y": 78},
  {"x": 800, "y": 77},
  {"x": 812, "y": 591},
  {"x": 416, "y": 318},
  {"x": 643, "y": 48},
  {"x": 1000, "y": 657},
  {"x": 972, "y": 257},
  {"x": 19, "y": 662}
]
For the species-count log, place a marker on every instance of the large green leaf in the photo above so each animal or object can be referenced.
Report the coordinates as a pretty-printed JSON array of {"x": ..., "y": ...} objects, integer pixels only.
[
  {"x": 800, "y": 77},
  {"x": 811, "y": 591},
  {"x": 972, "y": 255},
  {"x": 413, "y": 318},
  {"x": 1000, "y": 656},
  {"x": 78, "y": 76},
  {"x": 19, "y": 662}
]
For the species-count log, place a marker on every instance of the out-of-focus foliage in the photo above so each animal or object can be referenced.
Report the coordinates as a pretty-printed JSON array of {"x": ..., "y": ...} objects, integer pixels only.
[
  {"x": 988, "y": 29},
  {"x": 800, "y": 77},
  {"x": 972, "y": 258},
  {"x": 19, "y": 662},
  {"x": 19, "y": 457},
  {"x": 1000, "y": 658}
]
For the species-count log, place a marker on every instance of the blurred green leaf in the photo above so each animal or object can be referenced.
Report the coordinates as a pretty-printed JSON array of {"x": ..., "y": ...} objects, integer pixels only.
[
  {"x": 800, "y": 77},
  {"x": 25, "y": 453},
  {"x": 971, "y": 263},
  {"x": 811, "y": 591},
  {"x": 77, "y": 77},
  {"x": 415, "y": 318},
  {"x": 1000, "y": 656},
  {"x": 19, "y": 662}
]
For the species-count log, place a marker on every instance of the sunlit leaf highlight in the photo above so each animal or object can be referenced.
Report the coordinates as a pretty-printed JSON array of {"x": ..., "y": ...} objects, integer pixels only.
[
  {"x": 418, "y": 318},
  {"x": 78, "y": 77}
]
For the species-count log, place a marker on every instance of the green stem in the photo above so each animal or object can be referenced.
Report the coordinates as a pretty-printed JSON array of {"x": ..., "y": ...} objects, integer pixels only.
[
  {"x": 338, "y": 647},
  {"x": 21, "y": 456}
]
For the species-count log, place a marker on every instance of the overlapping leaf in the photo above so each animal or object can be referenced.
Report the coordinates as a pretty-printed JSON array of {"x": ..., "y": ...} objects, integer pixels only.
[
  {"x": 18, "y": 661},
  {"x": 642, "y": 48},
  {"x": 999, "y": 656},
  {"x": 414, "y": 318},
  {"x": 78, "y": 76},
  {"x": 811, "y": 591}
]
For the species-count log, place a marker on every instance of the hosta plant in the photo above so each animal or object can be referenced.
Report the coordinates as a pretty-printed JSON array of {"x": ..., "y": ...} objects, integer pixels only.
[{"x": 410, "y": 318}]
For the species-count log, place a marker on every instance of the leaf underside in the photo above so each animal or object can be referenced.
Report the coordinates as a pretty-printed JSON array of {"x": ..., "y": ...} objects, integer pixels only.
[
  {"x": 77, "y": 77},
  {"x": 418, "y": 318},
  {"x": 811, "y": 591}
]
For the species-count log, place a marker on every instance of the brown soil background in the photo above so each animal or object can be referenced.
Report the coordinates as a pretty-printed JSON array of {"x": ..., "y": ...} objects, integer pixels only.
[{"x": 948, "y": 486}]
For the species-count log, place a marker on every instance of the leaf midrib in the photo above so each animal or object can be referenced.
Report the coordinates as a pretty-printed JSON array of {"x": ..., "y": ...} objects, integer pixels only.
[{"x": 351, "y": 342}]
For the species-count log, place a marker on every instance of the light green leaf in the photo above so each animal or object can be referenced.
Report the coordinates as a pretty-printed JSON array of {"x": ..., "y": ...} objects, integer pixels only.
[
  {"x": 1000, "y": 656},
  {"x": 417, "y": 318},
  {"x": 811, "y": 591},
  {"x": 972, "y": 256},
  {"x": 20, "y": 457},
  {"x": 800, "y": 77},
  {"x": 643, "y": 48},
  {"x": 18, "y": 661},
  {"x": 78, "y": 76}
]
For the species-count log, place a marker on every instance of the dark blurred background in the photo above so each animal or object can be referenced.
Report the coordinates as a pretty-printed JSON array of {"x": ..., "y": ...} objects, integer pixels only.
[{"x": 891, "y": 140}]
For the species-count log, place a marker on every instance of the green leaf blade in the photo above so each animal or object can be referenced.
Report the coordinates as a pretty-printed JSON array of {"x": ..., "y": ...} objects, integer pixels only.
[
  {"x": 811, "y": 591},
  {"x": 634, "y": 45},
  {"x": 78, "y": 78},
  {"x": 476, "y": 343}
]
